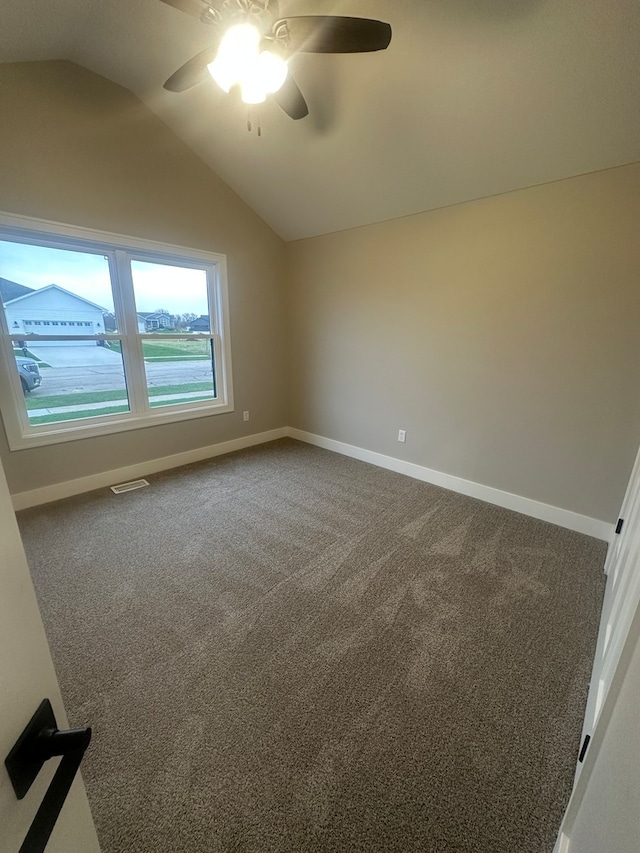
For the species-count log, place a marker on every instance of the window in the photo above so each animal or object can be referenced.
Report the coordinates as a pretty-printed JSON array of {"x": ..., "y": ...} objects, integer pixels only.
[{"x": 94, "y": 333}]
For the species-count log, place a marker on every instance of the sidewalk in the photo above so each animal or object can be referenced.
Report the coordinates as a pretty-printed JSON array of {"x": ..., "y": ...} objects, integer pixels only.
[{"x": 196, "y": 396}]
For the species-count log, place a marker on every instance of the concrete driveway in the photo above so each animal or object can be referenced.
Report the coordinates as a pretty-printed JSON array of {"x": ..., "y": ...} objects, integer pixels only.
[{"x": 75, "y": 356}]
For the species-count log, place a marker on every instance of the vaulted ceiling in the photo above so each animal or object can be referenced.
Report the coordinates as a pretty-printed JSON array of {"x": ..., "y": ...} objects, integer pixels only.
[{"x": 472, "y": 98}]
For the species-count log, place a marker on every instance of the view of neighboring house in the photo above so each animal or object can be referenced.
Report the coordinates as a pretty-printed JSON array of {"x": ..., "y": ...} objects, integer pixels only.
[
  {"x": 200, "y": 324},
  {"x": 154, "y": 320},
  {"x": 50, "y": 311},
  {"x": 110, "y": 324}
]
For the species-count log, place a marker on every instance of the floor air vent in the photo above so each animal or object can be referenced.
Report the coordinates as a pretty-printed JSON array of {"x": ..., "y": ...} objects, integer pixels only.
[{"x": 129, "y": 487}]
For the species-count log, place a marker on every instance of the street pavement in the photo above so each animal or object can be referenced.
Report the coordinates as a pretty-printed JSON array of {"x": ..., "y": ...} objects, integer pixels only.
[{"x": 108, "y": 377}]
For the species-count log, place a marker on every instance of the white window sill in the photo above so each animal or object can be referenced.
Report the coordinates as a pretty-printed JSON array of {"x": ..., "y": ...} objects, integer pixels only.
[{"x": 68, "y": 431}]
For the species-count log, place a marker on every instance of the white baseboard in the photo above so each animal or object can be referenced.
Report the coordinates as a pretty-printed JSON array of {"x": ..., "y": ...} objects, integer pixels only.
[
  {"x": 545, "y": 512},
  {"x": 46, "y": 494}
]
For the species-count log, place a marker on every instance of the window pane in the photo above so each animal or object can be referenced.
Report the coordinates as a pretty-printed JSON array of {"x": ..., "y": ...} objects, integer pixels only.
[
  {"x": 170, "y": 299},
  {"x": 52, "y": 292},
  {"x": 62, "y": 383},
  {"x": 179, "y": 371}
]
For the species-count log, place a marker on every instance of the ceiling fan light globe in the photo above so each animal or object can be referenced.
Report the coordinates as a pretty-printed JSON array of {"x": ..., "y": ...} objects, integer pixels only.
[
  {"x": 240, "y": 42},
  {"x": 238, "y": 51},
  {"x": 272, "y": 71},
  {"x": 252, "y": 94},
  {"x": 222, "y": 75}
]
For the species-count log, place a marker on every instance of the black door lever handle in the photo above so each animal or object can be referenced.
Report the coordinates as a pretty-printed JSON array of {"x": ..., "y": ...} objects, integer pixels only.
[
  {"x": 39, "y": 741},
  {"x": 51, "y": 742}
]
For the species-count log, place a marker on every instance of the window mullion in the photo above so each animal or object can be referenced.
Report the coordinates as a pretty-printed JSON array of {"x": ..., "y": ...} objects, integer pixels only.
[{"x": 132, "y": 352}]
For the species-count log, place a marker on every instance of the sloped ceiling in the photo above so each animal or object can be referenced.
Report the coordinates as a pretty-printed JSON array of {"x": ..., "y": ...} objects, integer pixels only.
[{"x": 472, "y": 98}]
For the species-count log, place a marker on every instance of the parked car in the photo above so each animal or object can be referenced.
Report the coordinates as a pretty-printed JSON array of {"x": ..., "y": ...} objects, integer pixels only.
[{"x": 29, "y": 373}]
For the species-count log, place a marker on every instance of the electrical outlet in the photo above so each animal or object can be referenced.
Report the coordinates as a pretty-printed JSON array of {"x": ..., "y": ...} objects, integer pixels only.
[
  {"x": 402, "y": 435},
  {"x": 245, "y": 416}
]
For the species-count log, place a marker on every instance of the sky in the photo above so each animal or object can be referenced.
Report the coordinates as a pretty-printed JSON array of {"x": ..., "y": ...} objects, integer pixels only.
[{"x": 178, "y": 290}]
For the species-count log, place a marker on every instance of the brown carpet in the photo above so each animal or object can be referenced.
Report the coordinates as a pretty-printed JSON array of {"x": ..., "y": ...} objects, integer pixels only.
[{"x": 288, "y": 650}]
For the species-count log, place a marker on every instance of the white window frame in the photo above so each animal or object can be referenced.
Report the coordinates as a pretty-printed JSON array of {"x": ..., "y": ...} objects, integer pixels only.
[{"x": 120, "y": 250}]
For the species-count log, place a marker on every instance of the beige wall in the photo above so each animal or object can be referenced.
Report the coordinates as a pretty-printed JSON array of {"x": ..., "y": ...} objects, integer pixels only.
[
  {"x": 78, "y": 149},
  {"x": 502, "y": 334}
]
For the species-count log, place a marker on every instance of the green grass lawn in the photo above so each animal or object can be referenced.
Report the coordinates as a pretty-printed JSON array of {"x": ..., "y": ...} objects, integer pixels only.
[
  {"x": 176, "y": 349},
  {"x": 116, "y": 397},
  {"x": 52, "y": 401}
]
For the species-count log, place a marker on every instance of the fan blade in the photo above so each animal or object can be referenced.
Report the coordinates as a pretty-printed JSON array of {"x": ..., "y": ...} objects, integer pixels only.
[
  {"x": 196, "y": 8},
  {"x": 291, "y": 99},
  {"x": 192, "y": 72},
  {"x": 332, "y": 34}
]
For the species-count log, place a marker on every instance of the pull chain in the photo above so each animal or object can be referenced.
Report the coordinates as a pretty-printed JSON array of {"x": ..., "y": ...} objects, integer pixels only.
[{"x": 250, "y": 124}]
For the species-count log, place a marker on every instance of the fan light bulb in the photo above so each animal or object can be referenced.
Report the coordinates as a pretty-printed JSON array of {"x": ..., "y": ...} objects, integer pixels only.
[{"x": 240, "y": 62}]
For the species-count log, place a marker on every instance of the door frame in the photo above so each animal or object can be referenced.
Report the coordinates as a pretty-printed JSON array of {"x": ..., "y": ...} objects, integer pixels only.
[{"x": 596, "y": 721}]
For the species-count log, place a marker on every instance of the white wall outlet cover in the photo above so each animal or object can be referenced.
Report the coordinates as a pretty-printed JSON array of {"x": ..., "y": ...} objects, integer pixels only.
[
  {"x": 245, "y": 416},
  {"x": 402, "y": 435}
]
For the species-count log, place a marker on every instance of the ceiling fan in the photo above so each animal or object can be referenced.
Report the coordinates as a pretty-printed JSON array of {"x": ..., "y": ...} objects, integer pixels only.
[{"x": 253, "y": 44}]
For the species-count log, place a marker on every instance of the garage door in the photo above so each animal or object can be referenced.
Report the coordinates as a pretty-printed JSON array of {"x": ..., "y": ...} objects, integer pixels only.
[
  {"x": 49, "y": 342},
  {"x": 59, "y": 327}
]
